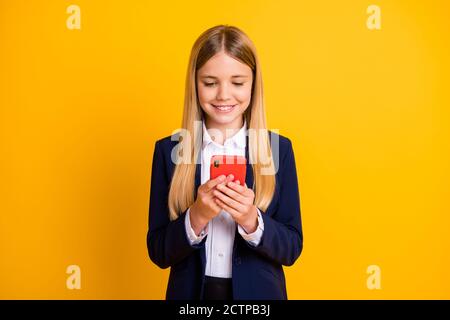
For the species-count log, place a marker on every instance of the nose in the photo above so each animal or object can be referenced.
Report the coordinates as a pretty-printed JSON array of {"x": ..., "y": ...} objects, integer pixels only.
[{"x": 223, "y": 93}]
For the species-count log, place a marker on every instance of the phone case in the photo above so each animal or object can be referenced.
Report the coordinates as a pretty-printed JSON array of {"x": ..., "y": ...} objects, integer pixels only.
[{"x": 229, "y": 164}]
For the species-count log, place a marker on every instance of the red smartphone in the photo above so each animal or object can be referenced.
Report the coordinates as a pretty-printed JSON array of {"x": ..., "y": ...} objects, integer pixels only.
[{"x": 229, "y": 164}]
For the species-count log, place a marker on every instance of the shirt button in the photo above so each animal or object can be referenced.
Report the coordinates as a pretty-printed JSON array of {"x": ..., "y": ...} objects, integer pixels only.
[{"x": 221, "y": 255}]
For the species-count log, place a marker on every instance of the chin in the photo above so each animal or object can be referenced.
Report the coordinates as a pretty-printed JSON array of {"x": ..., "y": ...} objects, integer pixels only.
[{"x": 223, "y": 119}]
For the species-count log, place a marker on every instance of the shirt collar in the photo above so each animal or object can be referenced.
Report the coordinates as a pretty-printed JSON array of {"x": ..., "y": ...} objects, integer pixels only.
[{"x": 238, "y": 139}]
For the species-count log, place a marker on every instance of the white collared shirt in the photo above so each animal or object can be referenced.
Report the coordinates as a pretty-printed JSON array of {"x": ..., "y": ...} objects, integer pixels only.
[{"x": 221, "y": 229}]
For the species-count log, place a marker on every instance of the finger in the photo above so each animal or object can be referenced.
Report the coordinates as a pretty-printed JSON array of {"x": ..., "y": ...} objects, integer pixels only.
[
  {"x": 227, "y": 179},
  {"x": 227, "y": 208},
  {"x": 239, "y": 183},
  {"x": 236, "y": 187},
  {"x": 229, "y": 201},
  {"x": 213, "y": 182},
  {"x": 232, "y": 194}
]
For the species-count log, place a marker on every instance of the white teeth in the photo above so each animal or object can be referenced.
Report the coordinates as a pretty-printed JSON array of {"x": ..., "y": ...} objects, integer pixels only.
[{"x": 225, "y": 108}]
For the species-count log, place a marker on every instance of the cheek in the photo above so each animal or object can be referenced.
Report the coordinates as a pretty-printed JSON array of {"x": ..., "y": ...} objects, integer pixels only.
[
  {"x": 243, "y": 95},
  {"x": 205, "y": 94}
]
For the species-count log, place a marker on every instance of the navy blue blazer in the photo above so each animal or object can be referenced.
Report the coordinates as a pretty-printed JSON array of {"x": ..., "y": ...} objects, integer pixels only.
[{"x": 257, "y": 272}]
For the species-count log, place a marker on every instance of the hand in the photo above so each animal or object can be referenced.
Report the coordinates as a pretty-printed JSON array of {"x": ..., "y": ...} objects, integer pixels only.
[
  {"x": 237, "y": 200},
  {"x": 204, "y": 207}
]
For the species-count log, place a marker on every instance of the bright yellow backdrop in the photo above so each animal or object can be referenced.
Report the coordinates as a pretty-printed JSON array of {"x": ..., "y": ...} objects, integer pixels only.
[{"x": 367, "y": 111}]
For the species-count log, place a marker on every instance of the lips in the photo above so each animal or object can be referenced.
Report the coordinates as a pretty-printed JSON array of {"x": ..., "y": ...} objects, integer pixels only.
[{"x": 224, "y": 108}]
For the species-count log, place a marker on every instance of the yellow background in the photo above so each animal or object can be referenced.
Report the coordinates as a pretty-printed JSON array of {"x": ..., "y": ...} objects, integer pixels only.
[{"x": 367, "y": 111}]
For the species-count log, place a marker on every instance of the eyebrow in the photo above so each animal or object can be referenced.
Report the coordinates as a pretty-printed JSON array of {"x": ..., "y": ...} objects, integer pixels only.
[{"x": 235, "y": 76}]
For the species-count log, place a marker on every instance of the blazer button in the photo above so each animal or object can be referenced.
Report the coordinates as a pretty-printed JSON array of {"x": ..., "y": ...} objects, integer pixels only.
[{"x": 237, "y": 261}]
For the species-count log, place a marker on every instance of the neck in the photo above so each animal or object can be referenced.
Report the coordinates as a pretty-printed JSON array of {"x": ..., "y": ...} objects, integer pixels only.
[{"x": 227, "y": 130}]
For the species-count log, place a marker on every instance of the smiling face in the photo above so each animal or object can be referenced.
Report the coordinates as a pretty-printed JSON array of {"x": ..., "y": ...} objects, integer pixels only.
[{"x": 224, "y": 87}]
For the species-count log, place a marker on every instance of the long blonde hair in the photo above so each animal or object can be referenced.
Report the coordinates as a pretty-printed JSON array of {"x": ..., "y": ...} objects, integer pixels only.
[{"x": 238, "y": 45}]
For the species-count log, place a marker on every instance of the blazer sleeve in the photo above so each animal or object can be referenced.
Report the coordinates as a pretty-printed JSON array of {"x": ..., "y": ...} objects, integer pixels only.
[
  {"x": 167, "y": 242},
  {"x": 282, "y": 239}
]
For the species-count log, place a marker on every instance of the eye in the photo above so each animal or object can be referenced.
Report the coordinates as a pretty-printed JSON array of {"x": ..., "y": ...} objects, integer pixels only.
[
  {"x": 238, "y": 84},
  {"x": 209, "y": 84}
]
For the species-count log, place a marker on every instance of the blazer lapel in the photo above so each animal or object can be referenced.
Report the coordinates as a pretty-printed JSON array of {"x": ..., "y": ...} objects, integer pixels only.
[
  {"x": 198, "y": 170},
  {"x": 249, "y": 172}
]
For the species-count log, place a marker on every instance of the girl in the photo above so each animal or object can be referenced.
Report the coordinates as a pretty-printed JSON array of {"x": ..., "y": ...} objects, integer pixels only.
[{"x": 224, "y": 239}]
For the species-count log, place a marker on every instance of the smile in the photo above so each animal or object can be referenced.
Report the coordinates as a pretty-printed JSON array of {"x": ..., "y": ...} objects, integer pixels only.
[{"x": 224, "y": 108}]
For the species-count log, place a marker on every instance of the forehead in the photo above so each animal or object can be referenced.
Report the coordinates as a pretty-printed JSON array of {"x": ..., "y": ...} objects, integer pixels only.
[{"x": 223, "y": 65}]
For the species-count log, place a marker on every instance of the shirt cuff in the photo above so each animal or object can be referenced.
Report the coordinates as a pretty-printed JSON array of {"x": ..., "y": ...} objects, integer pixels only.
[
  {"x": 193, "y": 238},
  {"x": 253, "y": 238}
]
